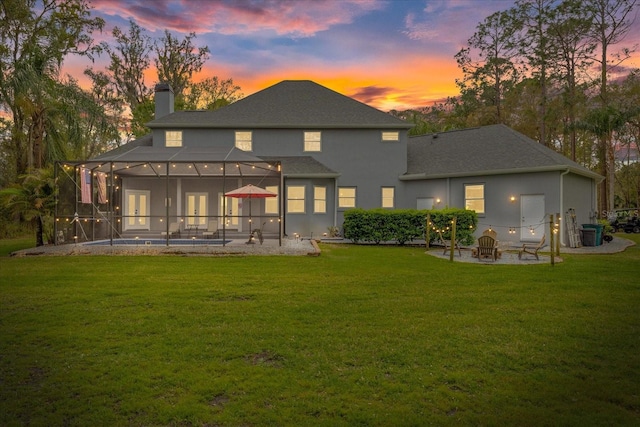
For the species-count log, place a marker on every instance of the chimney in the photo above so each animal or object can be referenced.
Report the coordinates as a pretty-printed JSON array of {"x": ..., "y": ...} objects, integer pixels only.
[{"x": 164, "y": 100}]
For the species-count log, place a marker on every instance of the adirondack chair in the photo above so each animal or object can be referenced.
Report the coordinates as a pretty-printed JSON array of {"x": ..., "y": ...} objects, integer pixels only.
[
  {"x": 449, "y": 245},
  {"x": 530, "y": 249},
  {"x": 492, "y": 233},
  {"x": 487, "y": 248}
]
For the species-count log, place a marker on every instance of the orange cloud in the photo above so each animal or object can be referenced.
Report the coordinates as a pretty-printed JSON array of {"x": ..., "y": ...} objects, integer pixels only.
[{"x": 409, "y": 83}]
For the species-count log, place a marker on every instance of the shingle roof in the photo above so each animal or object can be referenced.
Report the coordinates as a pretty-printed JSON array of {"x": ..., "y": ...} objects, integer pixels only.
[
  {"x": 134, "y": 152},
  {"x": 302, "y": 167},
  {"x": 144, "y": 141},
  {"x": 487, "y": 150},
  {"x": 288, "y": 104}
]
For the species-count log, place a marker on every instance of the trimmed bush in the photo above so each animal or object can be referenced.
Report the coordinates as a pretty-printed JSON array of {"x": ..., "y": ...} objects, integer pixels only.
[
  {"x": 406, "y": 225},
  {"x": 466, "y": 224}
]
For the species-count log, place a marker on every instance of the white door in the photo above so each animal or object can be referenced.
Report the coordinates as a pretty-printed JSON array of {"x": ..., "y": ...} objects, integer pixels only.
[
  {"x": 233, "y": 210},
  {"x": 533, "y": 217},
  {"x": 197, "y": 211},
  {"x": 136, "y": 208}
]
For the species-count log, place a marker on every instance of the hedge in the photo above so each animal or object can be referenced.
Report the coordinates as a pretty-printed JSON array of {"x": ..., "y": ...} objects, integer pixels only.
[{"x": 405, "y": 225}]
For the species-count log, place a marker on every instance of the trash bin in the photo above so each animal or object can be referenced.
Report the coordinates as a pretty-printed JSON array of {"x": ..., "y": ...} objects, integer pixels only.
[
  {"x": 598, "y": 229},
  {"x": 588, "y": 236}
]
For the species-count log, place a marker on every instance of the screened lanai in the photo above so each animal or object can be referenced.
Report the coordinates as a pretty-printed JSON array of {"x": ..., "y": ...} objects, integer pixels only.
[{"x": 172, "y": 195}]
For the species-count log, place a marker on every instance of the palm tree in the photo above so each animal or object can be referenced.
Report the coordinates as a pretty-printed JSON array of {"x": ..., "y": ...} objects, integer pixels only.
[{"x": 33, "y": 199}]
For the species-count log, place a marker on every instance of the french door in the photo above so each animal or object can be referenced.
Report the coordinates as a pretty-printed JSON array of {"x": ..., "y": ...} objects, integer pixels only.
[
  {"x": 197, "y": 209},
  {"x": 233, "y": 210},
  {"x": 136, "y": 208}
]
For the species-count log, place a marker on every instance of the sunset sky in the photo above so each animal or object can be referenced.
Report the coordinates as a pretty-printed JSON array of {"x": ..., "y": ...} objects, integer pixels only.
[{"x": 389, "y": 54}]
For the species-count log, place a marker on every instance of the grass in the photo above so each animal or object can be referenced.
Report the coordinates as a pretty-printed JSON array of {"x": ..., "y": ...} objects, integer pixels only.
[{"x": 361, "y": 335}]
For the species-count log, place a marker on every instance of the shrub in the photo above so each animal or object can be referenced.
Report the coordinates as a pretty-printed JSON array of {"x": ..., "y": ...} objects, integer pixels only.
[
  {"x": 466, "y": 224},
  {"x": 405, "y": 225}
]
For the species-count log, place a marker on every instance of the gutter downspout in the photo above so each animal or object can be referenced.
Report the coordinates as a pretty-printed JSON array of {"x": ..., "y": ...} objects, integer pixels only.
[
  {"x": 335, "y": 202},
  {"x": 562, "y": 240}
]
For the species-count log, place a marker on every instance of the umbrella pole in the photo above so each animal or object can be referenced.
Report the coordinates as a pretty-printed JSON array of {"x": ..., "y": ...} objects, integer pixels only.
[{"x": 250, "y": 231}]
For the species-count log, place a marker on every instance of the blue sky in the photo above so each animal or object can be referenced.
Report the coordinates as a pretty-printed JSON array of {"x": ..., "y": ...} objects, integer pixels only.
[{"x": 389, "y": 54}]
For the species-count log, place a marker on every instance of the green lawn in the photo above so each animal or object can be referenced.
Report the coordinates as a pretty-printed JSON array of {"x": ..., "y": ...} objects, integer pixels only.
[{"x": 361, "y": 335}]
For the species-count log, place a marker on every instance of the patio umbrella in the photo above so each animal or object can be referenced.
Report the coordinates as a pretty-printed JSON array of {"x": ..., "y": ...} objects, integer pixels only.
[{"x": 250, "y": 192}]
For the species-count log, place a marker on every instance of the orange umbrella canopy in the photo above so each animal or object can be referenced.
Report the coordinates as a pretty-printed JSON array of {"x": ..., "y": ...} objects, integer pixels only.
[{"x": 250, "y": 192}]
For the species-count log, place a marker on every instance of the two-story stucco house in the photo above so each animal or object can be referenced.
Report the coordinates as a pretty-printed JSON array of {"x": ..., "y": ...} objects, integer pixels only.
[{"x": 321, "y": 153}]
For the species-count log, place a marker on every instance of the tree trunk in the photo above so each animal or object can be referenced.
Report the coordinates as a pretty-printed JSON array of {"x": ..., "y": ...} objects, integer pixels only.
[
  {"x": 39, "y": 231},
  {"x": 611, "y": 169}
]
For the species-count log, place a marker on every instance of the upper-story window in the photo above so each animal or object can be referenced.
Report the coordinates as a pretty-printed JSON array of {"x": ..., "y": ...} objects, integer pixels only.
[
  {"x": 244, "y": 140},
  {"x": 390, "y": 136},
  {"x": 173, "y": 138},
  {"x": 474, "y": 197},
  {"x": 312, "y": 141}
]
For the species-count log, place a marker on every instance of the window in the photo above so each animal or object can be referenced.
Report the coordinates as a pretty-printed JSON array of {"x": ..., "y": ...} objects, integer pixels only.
[
  {"x": 387, "y": 197},
  {"x": 391, "y": 136},
  {"x": 474, "y": 197},
  {"x": 424, "y": 203},
  {"x": 295, "y": 199},
  {"x": 243, "y": 140},
  {"x": 312, "y": 141},
  {"x": 320, "y": 199},
  {"x": 271, "y": 203},
  {"x": 173, "y": 138},
  {"x": 347, "y": 197}
]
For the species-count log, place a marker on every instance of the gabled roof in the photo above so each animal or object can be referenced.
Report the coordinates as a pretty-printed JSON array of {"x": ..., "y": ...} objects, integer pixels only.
[
  {"x": 288, "y": 104},
  {"x": 488, "y": 150}
]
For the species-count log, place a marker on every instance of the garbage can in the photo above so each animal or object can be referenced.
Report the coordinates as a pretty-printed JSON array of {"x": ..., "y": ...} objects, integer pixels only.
[
  {"x": 598, "y": 229},
  {"x": 588, "y": 236}
]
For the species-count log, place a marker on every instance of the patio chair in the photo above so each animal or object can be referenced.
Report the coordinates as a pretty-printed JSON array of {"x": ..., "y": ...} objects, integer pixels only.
[
  {"x": 487, "y": 248},
  {"x": 530, "y": 249},
  {"x": 212, "y": 230},
  {"x": 447, "y": 245},
  {"x": 490, "y": 232},
  {"x": 174, "y": 228}
]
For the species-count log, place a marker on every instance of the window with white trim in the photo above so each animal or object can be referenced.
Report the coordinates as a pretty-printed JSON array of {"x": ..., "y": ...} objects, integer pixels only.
[
  {"x": 271, "y": 203},
  {"x": 319, "y": 199},
  {"x": 244, "y": 140},
  {"x": 390, "y": 136},
  {"x": 295, "y": 199},
  {"x": 312, "y": 141},
  {"x": 173, "y": 138},
  {"x": 388, "y": 194},
  {"x": 474, "y": 197},
  {"x": 347, "y": 197}
]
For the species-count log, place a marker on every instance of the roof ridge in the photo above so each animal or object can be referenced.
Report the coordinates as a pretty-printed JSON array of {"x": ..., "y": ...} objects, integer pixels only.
[{"x": 446, "y": 132}]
